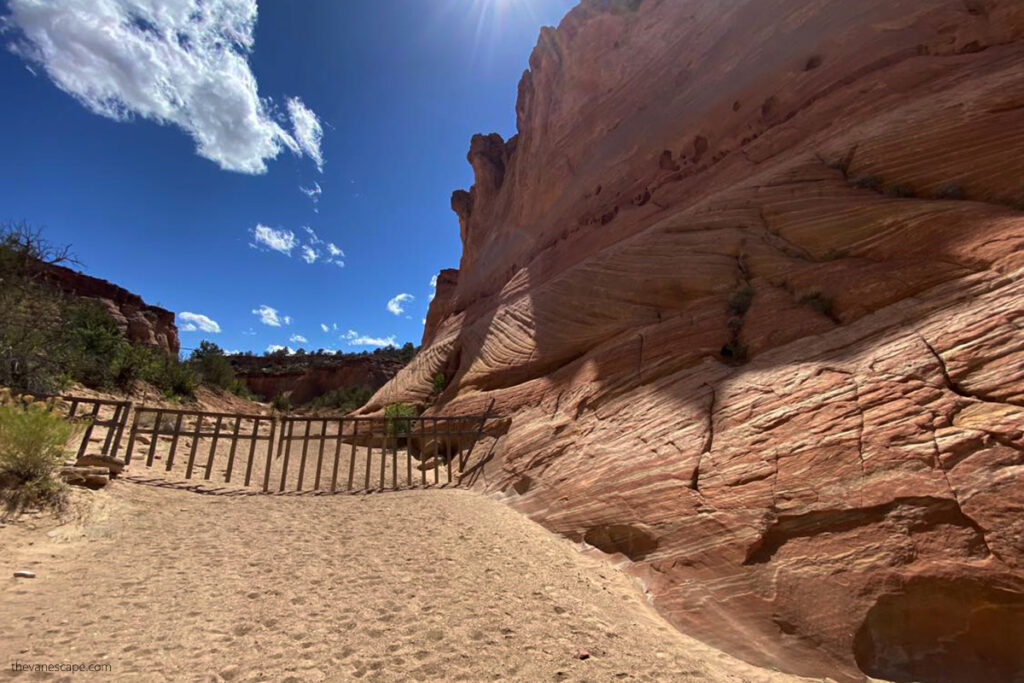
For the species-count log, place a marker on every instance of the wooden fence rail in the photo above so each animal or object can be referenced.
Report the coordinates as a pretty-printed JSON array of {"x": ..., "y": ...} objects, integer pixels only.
[
  {"x": 306, "y": 453},
  {"x": 101, "y": 417}
]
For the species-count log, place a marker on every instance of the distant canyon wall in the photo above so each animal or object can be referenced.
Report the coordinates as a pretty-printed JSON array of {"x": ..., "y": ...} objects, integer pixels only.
[
  {"x": 302, "y": 381},
  {"x": 745, "y": 289}
]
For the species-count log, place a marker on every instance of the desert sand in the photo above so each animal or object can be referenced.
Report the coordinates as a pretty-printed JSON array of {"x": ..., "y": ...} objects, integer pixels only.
[{"x": 164, "y": 584}]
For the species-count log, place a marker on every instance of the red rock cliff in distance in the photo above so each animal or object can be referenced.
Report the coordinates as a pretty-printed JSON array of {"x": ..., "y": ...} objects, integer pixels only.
[
  {"x": 303, "y": 379},
  {"x": 746, "y": 290},
  {"x": 140, "y": 322}
]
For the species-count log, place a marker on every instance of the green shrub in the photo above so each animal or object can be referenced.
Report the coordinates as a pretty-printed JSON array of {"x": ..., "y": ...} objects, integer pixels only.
[
  {"x": 212, "y": 367},
  {"x": 32, "y": 442},
  {"x": 97, "y": 349},
  {"x": 281, "y": 403},
  {"x": 440, "y": 383},
  {"x": 394, "y": 414},
  {"x": 735, "y": 352},
  {"x": 819, "y": 302},
  {"x": 741, "y": 298},
  {"x": 344, "y": 400}
]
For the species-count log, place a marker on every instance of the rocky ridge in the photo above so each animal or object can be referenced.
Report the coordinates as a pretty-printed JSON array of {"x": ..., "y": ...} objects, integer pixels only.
[
  {"x": 140, "y": 322},
  {"x": 746, "y": 290}
]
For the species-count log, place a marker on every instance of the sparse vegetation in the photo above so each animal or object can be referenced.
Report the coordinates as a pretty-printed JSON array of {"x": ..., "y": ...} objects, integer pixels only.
[
  {"x": 735, "y": 352},
  {"x": 440, "y": 382},
  {"x": 281, "y": 403},
  {"x": 951, "y": 190},
  {"x": 818, "y": 301},
  {"x": 741, "y": 298},
  {"x": 32, "y": 440},
  {"x": 394, "y": 412},
  {"x": 49, "y": 339},
  {"x": 867, "y": 182},
  {"x": 901, "y": 191},
  {"x": 344, "y": 400}
]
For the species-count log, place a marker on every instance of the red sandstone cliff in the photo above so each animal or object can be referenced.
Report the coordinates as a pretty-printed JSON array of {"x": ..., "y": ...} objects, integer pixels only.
[
  {"x": 140, "y": 322},
  {"x": 746, "y": 290},
  {"x": 303, "y": 379}
]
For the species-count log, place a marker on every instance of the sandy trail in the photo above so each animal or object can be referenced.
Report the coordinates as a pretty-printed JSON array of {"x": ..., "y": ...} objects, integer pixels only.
[{"x": 420, "y": 585}]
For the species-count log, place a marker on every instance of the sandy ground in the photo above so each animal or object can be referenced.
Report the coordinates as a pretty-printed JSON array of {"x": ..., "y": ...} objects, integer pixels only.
[{"x": 419, "y": 585}]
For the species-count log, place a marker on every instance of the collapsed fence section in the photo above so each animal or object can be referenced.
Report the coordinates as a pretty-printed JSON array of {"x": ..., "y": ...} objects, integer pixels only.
[
  {"x": 103, "y": 421},
  {"x": 307, "y": 453}
]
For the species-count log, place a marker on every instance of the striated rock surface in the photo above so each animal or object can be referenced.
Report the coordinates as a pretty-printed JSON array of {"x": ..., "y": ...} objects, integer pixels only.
[
  {"x": 441, "y": 305},
  {"x": 746, "y": 289},
  {"x": 140, "y": 322}
]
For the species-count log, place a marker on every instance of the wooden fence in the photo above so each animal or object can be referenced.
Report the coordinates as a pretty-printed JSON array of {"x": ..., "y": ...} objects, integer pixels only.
[
  {"x": 104, "y": 422},
  {"x": 305, "y": 453}
]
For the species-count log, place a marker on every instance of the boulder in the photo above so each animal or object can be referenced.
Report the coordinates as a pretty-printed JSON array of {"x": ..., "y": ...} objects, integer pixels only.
[{"x": 87, "y": 477}]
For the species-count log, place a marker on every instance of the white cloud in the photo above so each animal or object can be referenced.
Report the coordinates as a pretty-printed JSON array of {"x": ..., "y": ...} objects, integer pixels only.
[
  {"x": 312, "y": 192},
  {"x": 196, "y": 322},
  {"x": 433, "y": 288},
  {"x": 273, "y": 348},
  {"x": 298, "y": 339},
  {"x": 313, "y": 239},
  {"x": 176, "y": 62},
  {"x": 355, "y": 339},
  {"x": 397, "y": 304},
  {"x": 279, "y": 240},
  {"x": 323, "y": 326},
  {"x": 364, "y": 340},
  {"x": 285, "y": 241},
  {"x": 307, "y": 129},
  {"x": 271, "y": 316}
]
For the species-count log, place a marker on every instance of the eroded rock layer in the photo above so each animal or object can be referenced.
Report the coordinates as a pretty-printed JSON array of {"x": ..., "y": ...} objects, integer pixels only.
[
  {"x": 140, "y": 322},
  {"x": 746, "y": 291}
]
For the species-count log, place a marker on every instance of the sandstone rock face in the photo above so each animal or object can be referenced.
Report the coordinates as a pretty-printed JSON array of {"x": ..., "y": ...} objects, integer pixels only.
[
  {"x": 441, "y": 306},
  {"x": 140, "y": 322},
  {"x": 746, "y": 290}
]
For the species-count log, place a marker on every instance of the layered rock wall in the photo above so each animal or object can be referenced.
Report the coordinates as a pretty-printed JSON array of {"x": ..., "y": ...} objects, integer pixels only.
[
  {"x": 140, "y": 322},
  {"x": 305, "y": 384},
  {"x": 746, "y": 290}
]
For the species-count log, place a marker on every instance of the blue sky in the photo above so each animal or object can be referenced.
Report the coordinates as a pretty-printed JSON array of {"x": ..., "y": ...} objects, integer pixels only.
[{"x": 167, "y": 141}]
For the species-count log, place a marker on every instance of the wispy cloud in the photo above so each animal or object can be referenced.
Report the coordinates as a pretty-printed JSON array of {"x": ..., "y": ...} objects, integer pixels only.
[
  {"x": 397, "y": 304},
  {"x": 183, "y": 63},
  {"x": 285, "y": 241},
  {"x": 307, "y": 129},
  {"x": 433, "y": 288},
  {"x": 282, "y": 241},
  {"x": 313, "y": 193},
  {"x": 355, "y": 339},
  {"x": 271, "y": 316},
  {"x": 323, "y": 326},
  {"x": 196, "y": 322},
  {"x": 298, "y": 339}
]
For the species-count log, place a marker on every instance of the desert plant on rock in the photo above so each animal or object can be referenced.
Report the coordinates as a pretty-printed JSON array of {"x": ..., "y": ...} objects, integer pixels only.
[{"x": 394, "y": 414}]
